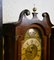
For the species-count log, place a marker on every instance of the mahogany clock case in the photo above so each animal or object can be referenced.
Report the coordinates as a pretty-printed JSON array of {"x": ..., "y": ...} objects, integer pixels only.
[{"x": 14, "y": 35}]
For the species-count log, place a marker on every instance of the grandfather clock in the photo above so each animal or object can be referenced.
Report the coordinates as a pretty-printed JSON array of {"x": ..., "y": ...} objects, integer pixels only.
[
  {"x": 33, "y": 36},
  {"x": 28, "y": 39}
]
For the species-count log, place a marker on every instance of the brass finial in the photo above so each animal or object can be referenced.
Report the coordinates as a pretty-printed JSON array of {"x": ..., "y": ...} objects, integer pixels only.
[{"x": 34, "y": 9}]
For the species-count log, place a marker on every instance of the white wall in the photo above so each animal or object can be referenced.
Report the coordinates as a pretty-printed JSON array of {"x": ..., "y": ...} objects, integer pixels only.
[{"x": 12, "y": 8}]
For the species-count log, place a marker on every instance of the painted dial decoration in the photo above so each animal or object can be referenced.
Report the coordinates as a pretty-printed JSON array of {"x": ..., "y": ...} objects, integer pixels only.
[{"x": 31, "y": 48}]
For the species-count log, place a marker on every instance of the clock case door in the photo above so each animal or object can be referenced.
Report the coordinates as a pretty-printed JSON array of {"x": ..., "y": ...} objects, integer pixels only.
[
  {"x": 42, "y": 41},
  {"x": 44, "y": 27}
]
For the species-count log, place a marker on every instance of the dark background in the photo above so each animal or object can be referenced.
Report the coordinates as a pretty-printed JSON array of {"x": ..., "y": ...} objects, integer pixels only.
[{"x": 0, "y": 29}]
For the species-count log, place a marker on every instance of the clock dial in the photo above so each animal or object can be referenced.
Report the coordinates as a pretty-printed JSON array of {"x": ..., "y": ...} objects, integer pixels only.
[
  {"x": 31, "y": 50},
  {"x": 31, "y": 45}
]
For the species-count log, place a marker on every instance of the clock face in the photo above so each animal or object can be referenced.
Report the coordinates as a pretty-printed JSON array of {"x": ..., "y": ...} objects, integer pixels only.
[
  {"x": 31, "y": 47},
  {"x": 31, "y": 50}
]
